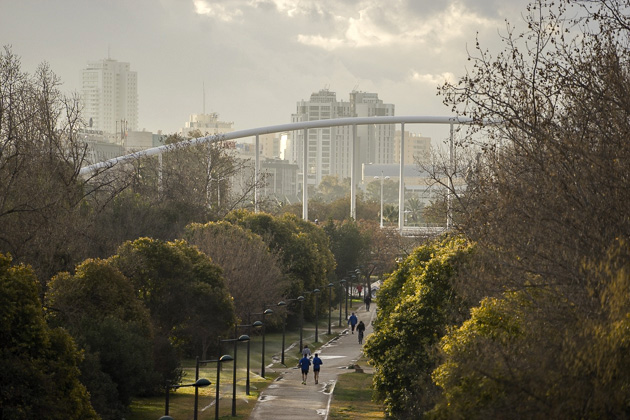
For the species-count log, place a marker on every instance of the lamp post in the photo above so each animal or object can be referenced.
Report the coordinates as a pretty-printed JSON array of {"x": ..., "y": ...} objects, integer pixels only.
[
  {"x": 301, "y": 300},
  {"x": 350, "y": 282},
  {"x": 316, "y": 293},
  {"x": 199, "y": 383},
  {"x": 256, "y": 324},
  {"x": 381, "y": 178},
  {"x": 262, "y": 324},
  {"x": 235, "y": 341},
  {"x": 341, "y": 283},
  {"x": 222, "y": 359},
  {"x": 284, "y": 325},
  {"x": 352, "y": 278},
  {"x": 330, "y": 286}
]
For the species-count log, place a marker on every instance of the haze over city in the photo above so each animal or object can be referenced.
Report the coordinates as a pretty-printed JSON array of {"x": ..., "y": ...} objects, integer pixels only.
[{"x": 257, "y": 58}]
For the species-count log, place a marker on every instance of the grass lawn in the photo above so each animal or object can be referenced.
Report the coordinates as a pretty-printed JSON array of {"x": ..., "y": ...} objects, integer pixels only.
[
  {"x": 352, "y": 398},
  {"x": 181, "y": 403}
]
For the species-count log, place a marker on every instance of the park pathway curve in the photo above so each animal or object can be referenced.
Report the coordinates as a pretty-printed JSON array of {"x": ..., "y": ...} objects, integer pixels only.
[{"x": 287, "y": 399}]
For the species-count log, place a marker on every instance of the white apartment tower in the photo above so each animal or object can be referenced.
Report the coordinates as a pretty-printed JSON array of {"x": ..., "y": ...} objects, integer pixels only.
[
  {"x": 329, "y": 149},
  {"x": 110, "y": 97}
]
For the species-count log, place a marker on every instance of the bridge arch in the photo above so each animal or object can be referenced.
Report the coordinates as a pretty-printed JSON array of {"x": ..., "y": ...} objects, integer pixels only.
[{"x": 306, "y": 125}]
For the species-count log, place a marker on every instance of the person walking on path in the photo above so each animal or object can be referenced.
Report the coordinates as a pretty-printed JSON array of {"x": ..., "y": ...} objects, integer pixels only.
[
  {"x": 304, "y": 365},
  {"x": 361, "y": 331},
  {"x": 317, "y": 363},
  {"x": 306, "y": 352},
  {"x": 353, "y": 321},
  {"x": 286, "y": 399},
  {"x": 367, "y": 301}
]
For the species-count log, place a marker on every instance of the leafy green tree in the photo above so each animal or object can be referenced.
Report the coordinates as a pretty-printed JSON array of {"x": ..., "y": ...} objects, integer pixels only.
[
  {"x": 331, "y": 189},
  {"x": 417, "y": 304},
  {"x": 347, "y": 243},
  {"x": 99, "y": 308},
  {"x": 38, "y": 365},
  {"x": 390, "y": 191},
  {"x": 184, "y": 291},
  {"x": 390, "y": 214},
  {"x": 414, "y": 206}
]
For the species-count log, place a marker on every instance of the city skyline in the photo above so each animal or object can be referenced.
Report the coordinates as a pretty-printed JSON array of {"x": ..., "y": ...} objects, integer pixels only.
[{"x": 257, "y": 58}]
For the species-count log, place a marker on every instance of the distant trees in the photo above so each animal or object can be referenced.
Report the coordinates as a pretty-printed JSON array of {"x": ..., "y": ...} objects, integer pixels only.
[{"x": 39, "y": 365}]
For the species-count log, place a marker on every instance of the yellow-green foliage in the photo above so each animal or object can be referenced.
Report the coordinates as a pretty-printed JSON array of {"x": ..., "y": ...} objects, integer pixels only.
[
  {"x": 544, "y": 352},
  {"x": 416, "y": 305}
]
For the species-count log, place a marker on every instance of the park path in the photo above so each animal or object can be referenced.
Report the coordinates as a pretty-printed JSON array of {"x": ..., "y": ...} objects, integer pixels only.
[{"x": 287, "y": 399}]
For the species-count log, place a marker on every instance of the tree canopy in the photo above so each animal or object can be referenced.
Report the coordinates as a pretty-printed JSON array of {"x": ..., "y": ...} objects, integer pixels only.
[
  {"x": 99, "y": 308},
  {"x": 39, "y": 365}
]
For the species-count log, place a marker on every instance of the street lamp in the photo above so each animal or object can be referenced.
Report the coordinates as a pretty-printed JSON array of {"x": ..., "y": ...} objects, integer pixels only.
[
  {"x": 248, "y": 326},
  {"x": 350, "y": 277},
  {"x": 381, "y": 178},
  {"x": 301, "y": 300},
  {"x": 316, "y": 293},
  {"x": 341, "y": 283},
  {"x": 235, "y": 341},
  {"x": 330, "y": 286},
  {"x": 199, "y": 383},
  {"x": 262, "y": 324},
  {"x": 284, "y": 323},
  {"x": 222, "y": 359},
  {"x": 284, "y": 327}
]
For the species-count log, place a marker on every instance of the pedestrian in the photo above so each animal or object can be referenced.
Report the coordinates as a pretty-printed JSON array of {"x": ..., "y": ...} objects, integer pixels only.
[
  {"x": 306, "y": 352},
  {"x": 304, "y": 363},
  {"x": 361, "y": 330},
  {"x": 353, "y": 321},
  {"x": 317, "y": 362},
  {"x": 367, "y": 301}
]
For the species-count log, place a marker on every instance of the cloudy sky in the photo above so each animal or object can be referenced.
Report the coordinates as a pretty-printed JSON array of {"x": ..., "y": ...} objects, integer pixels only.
[{"x": 257, "y": 58}]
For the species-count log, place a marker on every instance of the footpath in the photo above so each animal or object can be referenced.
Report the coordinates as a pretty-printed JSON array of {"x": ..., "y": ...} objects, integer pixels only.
[{"x": 288, "y": 399}]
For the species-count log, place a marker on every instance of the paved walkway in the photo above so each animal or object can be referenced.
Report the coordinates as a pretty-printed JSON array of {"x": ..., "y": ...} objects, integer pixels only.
[{"x": 286, "y": 398}]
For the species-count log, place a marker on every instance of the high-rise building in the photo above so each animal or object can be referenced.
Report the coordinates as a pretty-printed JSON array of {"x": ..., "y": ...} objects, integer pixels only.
[
  {"x": 417, "y": 147},
  {"x": 329, "y": 149},
  {"x": 206, "y": 124},
  {"x": 109, "y": 96}
]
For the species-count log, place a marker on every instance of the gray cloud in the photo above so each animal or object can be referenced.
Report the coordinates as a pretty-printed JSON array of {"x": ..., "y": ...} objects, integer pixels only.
[{"x": 257, "y": 57}]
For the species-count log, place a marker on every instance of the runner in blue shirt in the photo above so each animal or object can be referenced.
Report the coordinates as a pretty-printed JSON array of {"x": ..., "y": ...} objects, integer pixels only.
[
  {"x": 304, "y": 363},
  {"x": 317, "y": 362}
]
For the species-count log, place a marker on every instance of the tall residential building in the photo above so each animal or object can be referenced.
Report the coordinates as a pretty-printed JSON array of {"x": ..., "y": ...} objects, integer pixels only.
[
  {"x": 207, "y": 124},
  {"x": 109, "y": 96},
  {"x": 416, "y": 147},
  {"x": 329, "y": 149}
]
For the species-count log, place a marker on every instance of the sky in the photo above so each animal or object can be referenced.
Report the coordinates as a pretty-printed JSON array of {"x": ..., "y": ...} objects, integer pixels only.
[{"x": 257, "y": 58}]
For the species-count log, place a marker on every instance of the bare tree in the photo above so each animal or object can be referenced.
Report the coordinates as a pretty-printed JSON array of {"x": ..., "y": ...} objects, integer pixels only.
[
  {"x": 252, "y": 272},
  {"x": 41, "y": 192},
  {"x": 547, "y": 200}
]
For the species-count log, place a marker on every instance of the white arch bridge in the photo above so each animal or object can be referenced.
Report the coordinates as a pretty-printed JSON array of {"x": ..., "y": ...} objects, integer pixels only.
[{"x": 305, "y": 126}]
